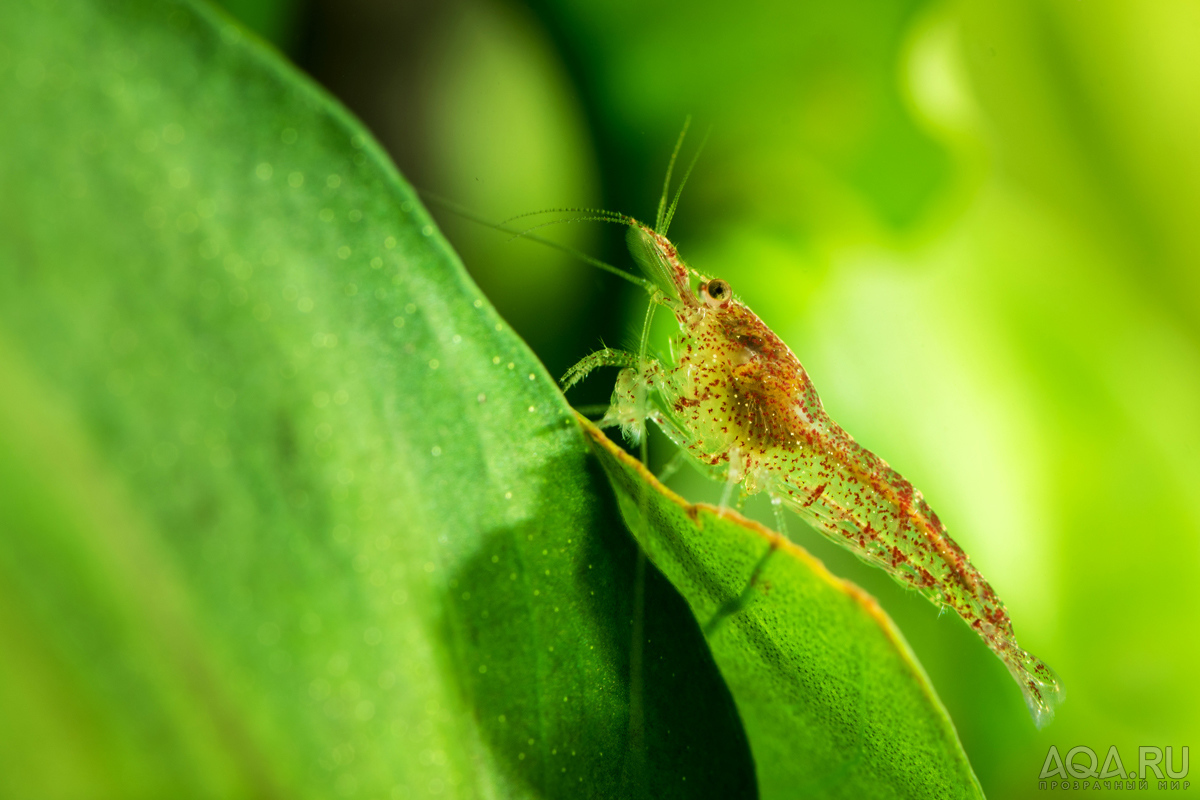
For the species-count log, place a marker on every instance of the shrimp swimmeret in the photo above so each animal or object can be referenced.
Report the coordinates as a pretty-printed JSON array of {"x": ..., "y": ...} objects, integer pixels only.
[{"x": 736, "y": 399}]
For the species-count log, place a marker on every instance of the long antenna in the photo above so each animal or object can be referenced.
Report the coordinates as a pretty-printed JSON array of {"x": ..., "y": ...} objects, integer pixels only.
[
  {"x": 466, "y": 213},
  {"x": 598, "y": 212},
  {"x": 623, "y": 222},
  {"x": 662, "y": 226},
  {"x": 662, "y": 201}
]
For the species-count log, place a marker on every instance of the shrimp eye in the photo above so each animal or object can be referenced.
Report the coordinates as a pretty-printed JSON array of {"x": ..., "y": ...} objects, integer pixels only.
[{"x": 717, "y": 293}]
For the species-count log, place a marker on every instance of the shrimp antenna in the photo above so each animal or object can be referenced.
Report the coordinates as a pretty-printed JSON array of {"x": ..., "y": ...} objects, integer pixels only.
[
  {"x": 466, "y": 213},
  {"x": 662, "y": 201},
  {"x": 599, "y": 212},
  {"x": 665, "y": 222},
  {"x": 623, "y": 221}
]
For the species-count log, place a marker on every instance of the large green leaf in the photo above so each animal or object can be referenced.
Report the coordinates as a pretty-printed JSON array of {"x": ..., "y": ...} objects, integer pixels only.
[
  {"x": 286, "y": 509},
  {"x": 834, "y": 703}
]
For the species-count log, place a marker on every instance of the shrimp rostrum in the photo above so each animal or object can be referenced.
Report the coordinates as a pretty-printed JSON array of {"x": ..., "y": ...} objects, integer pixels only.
[{"x": 739, "y": 402}]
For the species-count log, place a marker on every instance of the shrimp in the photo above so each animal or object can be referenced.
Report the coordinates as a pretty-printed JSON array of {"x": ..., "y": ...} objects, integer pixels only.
[{"x": 734, "y": 397}]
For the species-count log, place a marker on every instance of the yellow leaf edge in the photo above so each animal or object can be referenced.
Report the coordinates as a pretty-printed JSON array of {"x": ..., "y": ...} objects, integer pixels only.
[{"x": 784, "y": 546}]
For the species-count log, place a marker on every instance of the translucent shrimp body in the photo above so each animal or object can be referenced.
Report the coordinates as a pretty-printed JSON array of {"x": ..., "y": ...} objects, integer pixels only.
[{"x": 741, "y": 404}]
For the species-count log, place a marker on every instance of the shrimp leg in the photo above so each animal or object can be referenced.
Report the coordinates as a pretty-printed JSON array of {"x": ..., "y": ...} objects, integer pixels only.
[{"x": 607, "y": 357}]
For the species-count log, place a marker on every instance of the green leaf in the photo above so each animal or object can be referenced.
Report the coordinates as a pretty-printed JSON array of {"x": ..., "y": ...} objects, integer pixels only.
[
  {"x": 286, "y": 510},
  {"x": 833, "y": 700}
]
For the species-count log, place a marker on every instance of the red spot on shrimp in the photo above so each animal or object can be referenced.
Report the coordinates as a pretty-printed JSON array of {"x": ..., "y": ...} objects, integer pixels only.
[{"x": 816, "y": 495}]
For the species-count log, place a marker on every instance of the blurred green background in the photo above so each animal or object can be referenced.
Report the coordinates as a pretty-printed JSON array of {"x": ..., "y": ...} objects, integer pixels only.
[{"x": 973, "y": 223}]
